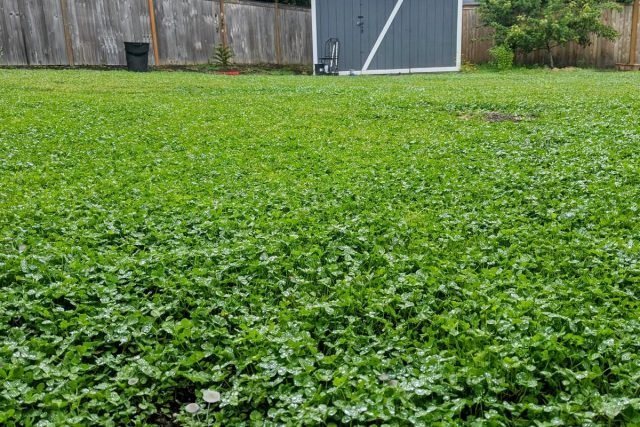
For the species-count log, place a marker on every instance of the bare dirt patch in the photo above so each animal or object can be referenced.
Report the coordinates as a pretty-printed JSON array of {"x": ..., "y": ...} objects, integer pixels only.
[{"x": 495, "y": 116}]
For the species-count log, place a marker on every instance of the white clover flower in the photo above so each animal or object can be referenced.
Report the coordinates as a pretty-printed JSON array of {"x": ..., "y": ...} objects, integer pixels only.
[
  {"x": 192, "y": 408},
  {"x": 211, "y": 396}
]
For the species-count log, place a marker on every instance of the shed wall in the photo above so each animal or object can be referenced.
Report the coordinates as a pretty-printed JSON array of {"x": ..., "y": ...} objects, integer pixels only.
[{"x": 424, "y": 33}]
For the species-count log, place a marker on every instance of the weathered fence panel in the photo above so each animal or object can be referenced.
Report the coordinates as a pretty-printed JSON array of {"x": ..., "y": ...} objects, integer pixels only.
[
  {"x": 260, "y": 33},
  {"x": 99, "y": 29},
  {"x": 32, "y": 32},
  {"x": 187, "y": 30},
  {"x": 12, "y": 42},
  {"x": 43, "y": 18},
  {"x": 251, "y": 32},
  {"x": 476, "y": 38},
  {"x": 295, "y": 35}
]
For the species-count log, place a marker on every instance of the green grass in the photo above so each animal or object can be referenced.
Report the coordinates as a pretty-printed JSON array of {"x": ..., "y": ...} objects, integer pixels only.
[{"x": 319, "y": 250}]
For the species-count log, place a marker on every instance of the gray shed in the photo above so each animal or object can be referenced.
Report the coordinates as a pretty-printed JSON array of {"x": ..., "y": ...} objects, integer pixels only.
[{"x": 386, "y": 36}]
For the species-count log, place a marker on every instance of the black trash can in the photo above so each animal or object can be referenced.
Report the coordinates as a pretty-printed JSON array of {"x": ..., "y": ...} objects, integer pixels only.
[{"x": 137, "y": 56}]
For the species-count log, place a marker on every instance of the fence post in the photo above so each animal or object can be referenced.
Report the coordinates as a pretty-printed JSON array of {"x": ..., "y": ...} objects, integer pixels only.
[
  {"x": 64, "y": 6},
  {"x": 223, "y": 26},
  {"x": 154, "y": 32},
  {"x": 25, "y": 49},
  {"x": 634, "y": 32},
  {"x": 276, "y": 34}
]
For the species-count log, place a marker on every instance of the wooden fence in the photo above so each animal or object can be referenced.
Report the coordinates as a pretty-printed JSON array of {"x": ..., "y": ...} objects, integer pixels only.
[
  {"x": 476, "y": 38},
  {"x": 92, "y": 32}
]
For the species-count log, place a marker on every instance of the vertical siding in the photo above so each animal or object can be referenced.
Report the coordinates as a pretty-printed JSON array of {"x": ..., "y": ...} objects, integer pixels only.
[
  {"x": 376, "y": 13},
  {"x": 338, "y": 19},
  {"x": 423, "y": 33}
]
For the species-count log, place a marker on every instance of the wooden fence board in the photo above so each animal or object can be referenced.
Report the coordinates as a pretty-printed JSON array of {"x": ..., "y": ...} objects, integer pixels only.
[
  {"x": 11, "y": 40},
  {"x": 250, "y": 30},
  {"x": 84, "y": 31},
  {"x": 32, "y": 33},
  {"x": 167, "y": 40},
  {"x": 476, "y": 38},
  {"x": 296, "y": 44}
]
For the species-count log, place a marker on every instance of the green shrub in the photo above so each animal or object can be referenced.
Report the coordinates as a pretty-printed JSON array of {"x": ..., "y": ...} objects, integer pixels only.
[
  {"x": 468, "y": 67},
  {"x": 223, "y": 55},
  {"x": 502, "y": 57}
]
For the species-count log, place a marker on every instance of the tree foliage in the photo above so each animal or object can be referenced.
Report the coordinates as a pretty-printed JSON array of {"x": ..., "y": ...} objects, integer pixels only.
[{"x": 530, "y": 25}]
